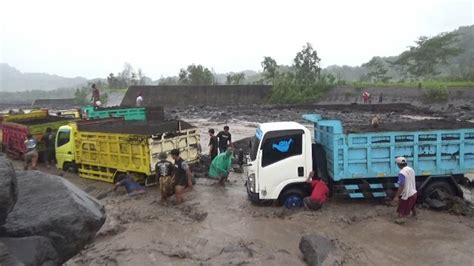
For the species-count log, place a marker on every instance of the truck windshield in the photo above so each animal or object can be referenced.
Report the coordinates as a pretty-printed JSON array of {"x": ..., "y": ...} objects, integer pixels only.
[{"x": 254, "y": 143}]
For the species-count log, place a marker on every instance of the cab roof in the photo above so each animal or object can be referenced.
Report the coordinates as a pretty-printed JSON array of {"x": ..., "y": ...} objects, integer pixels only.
[{"x": 272, "y": 126}]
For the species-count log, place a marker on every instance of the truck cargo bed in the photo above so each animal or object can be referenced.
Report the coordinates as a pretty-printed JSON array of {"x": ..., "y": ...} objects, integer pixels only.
[
  {"x": 49, "y": 119},
  {"x": 155, "y": 113},
  {"x": 105, "y": 151},
  {"x": 432, "y": 124},
  {"x": 431, "y": 148},
  {"x": 138, "y": 127}
]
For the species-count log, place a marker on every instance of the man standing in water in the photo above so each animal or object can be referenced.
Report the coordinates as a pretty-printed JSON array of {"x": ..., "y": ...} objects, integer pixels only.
[
  {"x": 48, "y": 140},
  {"x": 220, "y": 166},
  {"x": 164, "y": 173},
  {"x": 406, "y": 194},
  {"x": 31, "y": 154},
  {"x": 225, "y": 139},
  {"x": 182, "y": 176},
  {"x": 212, "y": 144}
]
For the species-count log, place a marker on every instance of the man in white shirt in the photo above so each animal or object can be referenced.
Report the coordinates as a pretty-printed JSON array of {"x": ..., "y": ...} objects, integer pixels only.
[
  {"x": 139, "y": 101},
  {"x": 406, "y": 194}
]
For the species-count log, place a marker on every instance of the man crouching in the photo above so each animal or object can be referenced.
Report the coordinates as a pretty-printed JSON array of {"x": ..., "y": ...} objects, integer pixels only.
[{"x": 319, "y": 193}]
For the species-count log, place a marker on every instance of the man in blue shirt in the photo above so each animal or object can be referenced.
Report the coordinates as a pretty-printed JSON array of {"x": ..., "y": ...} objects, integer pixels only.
[{"x": 132, "y": 187}]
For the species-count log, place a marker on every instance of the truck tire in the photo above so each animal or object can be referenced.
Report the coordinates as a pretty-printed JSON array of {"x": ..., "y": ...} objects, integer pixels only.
[
  {"x": 431, "y": 190},
  {"x": 70, "y": 167},
  {"x": 292, "y": 198}
]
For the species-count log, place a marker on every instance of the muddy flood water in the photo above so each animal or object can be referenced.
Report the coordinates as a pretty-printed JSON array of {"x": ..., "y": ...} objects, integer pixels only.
[{"x": 219, "y": 226}]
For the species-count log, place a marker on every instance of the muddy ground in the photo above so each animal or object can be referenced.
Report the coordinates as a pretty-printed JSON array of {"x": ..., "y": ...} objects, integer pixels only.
[{"x": 219, "y": 226}]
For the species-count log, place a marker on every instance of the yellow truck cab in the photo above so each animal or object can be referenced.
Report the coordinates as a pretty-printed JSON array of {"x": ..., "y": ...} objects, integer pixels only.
[
  {"x": 107, "y": 151},
  {"x": 65, "y": 149}
]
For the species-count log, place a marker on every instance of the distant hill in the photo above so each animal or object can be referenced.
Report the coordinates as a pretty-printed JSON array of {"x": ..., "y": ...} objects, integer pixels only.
[
  {"x": 11, "y": 79},
  {"x": 461, "y": 66}
]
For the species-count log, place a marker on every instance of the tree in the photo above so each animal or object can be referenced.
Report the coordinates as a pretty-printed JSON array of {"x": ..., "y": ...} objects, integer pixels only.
[
  {"x": 376, "y": 70},
  {"x": 127, "y": 72},
  {"x": 80, "y": 96},
  {"x": 270, "y": 68},
  {"x": 168, "y": 81},
  {"x": 196, "y": 75},
  {"x": 306, "y": 64},
  {"x": 423, "y": 59},
  {"x": 183, "y": 76},
  {"x": 235, "y": 79}
]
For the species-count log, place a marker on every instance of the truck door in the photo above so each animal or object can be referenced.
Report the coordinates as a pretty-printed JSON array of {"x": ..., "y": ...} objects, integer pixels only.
[
  {"x": 64, "y": 147},
  {"x": 282, "y": 161}
]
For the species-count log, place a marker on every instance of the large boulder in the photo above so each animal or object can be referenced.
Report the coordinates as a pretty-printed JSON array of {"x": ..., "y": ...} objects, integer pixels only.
[
  {"x": 315, "y": 249},
  {"x": 52, "y": 207},
  {"x": 35, "y": 250},
  {"x": 8, "y": 188},
  {"x": 6, "y": 258}
]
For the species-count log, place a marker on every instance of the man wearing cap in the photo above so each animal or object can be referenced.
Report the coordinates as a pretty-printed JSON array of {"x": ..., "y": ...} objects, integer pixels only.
[
  {"x": 164, "y": 173},
  {"x": 406, "y": 194},
  {"x": 182, "y": 176}
]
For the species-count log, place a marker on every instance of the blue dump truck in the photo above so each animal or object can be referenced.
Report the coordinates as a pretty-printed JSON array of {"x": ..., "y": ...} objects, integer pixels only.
[
  {"x": 155, "y": 113},
  {"x": 357, "y": 161}
]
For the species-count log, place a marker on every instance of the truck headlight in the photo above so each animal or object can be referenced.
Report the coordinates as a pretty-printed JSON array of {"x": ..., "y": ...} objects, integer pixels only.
[{"x": 251, "y": 182}]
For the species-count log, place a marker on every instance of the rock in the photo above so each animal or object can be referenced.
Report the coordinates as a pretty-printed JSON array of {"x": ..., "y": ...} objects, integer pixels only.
[
  {"x": 52, "y": 207},
  {"x": 315, "y": 249},
  {"x": 8, "y": 188},
  {"x": 34, "y": 250},
  {"x": 6, "y": 258}
]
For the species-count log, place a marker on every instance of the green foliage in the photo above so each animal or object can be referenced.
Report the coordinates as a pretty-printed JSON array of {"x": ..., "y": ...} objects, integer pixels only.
[
  {"x": 270, "y": 68},
  {"x": 196, "y": 75},
  {"x": 128, "y": 77},
  {"x": 457, "y": 67},
  {"x": 168, "y": 81},
  {"x": 235, "y": 79},
  {"x": 421, "y": 60},
  {"x": 80, "y": 96},
  {"x": 377, "y": 71},
  {"x": 306, "y": 64},
  {"x": 415, "y": 84},
  {"x": 437, "y": 94},
  {"x": 302, "y": 82},
  {"x": 29, "y": 96},
  {"x": 286, "y": 90}
]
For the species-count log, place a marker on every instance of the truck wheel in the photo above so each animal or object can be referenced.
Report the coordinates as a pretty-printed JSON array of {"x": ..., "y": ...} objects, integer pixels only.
[
  {"x": 433, "y": 190},
  {"x": 70, "y": 168},
  {"x": 292, "y": 198},
  {"x": 119, "y": 177}
]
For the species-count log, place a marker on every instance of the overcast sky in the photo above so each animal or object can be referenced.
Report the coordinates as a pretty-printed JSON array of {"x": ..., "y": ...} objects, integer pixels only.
[{"x": 93, "y": 38}]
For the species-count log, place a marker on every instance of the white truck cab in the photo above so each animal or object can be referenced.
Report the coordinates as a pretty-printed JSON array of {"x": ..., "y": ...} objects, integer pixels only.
[{"x": 279, "y": 163}]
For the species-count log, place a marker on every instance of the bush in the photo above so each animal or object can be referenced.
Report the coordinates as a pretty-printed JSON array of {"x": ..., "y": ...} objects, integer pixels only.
[
  {"x": 288, "y": 91},
  {"x": 437, "y": 94}
]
